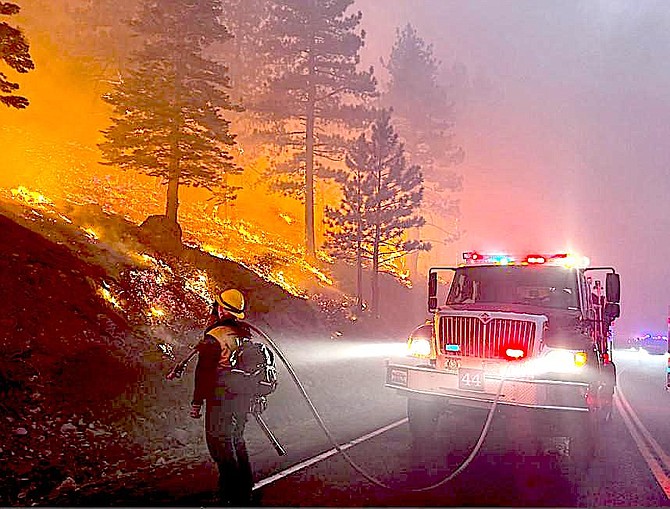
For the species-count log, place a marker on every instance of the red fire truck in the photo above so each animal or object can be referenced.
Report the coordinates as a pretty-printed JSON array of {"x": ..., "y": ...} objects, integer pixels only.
[{"x": 526, "y": 332}]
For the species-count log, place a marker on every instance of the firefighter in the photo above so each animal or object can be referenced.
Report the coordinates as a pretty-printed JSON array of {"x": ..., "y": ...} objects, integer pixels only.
[{"x": 227, "y": 401}]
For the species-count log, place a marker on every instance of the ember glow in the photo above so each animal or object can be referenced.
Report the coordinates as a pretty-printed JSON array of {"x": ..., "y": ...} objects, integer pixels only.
[
  {"x": 107, "y": 295},
  {"x": 199, "y": 285},
  {"x": 91, "y": 233},
  {"x": 156, "y": 312},
  {"x": 29, "y": 197}
]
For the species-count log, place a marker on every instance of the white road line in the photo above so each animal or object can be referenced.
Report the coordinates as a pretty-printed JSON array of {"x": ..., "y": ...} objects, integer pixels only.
[
  {"x": 659, "y": 464},
  {"x": 311, "y": 461},
  {"x": 665, "y": 458}
]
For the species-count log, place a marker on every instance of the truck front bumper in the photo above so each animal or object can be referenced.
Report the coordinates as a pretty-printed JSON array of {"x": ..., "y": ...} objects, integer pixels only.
[{"x": 417, "y": 381}]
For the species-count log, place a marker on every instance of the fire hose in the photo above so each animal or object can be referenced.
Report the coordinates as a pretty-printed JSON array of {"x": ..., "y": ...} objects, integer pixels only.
[
  {"x": 178, "y": 370},
  {"x": 348, "y": 458}
]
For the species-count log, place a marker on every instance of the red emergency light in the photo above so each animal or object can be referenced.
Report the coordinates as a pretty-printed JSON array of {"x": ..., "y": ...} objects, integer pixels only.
[
  {"x": 514, "y": 354},
  {"x": 560, "y": 259}
]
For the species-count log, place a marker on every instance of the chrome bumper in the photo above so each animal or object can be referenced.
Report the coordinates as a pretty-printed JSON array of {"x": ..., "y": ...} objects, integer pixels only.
[{"x": 532, "y": 393}]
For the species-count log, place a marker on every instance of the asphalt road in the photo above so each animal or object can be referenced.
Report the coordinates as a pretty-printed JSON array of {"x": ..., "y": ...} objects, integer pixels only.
[{"x": 632, "y": 468}]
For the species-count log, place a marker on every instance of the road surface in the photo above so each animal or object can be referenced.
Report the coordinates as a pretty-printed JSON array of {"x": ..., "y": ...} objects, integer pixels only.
[{"x": 632, "y": 468}]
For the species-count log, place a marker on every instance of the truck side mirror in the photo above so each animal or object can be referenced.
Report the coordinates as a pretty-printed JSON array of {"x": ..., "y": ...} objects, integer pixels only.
[
  {"x": 612, "y": 287},
  {"x": 432, "y": 291},
  {"x": 612, "y": 312}
]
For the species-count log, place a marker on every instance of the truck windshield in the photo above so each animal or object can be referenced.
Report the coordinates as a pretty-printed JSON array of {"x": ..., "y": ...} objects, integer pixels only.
[{"x": 552, "y": 287}]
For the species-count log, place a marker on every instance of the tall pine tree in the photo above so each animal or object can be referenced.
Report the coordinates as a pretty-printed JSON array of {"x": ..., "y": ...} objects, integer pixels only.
[
  {"x": 15, "y": 52},
  {"x": 382, "y": 194},
  {"x": 425, "y": 120},
  {"x": 316, "y": 92},
  {"x": 247, "y": 53},
  {"x": 169, "y": 106}
]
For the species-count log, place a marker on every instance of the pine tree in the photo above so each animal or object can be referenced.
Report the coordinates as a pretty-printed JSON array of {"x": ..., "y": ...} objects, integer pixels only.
[
  {"x": 15, "y": 52},
  {"x": 168, "y": 107},
  {"x": 317, "y": 90},
  {"x": 382, "y": 193},
  {"x": 425, "y": 123},
  {"x": 102, "y": 31},
  {"x": 247, "y": 52}
]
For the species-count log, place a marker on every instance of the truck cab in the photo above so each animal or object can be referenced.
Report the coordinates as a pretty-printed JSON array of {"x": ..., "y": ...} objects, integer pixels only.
[{"x": 529, "y": 332}]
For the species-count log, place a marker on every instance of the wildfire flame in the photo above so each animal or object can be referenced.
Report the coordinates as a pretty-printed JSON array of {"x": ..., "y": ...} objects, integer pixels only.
[
  {"x": 31, "y": 198},
  {"x": 107, "y": 295},
  {"x": 91, "y": 233},
  {"x": 156, "y": 312},
  {"x": 270, "y": 256},
  {"x": 265, "y": 235}
]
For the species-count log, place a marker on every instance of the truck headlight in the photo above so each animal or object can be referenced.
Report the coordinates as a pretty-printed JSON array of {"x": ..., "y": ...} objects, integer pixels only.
[
  {"x": 419, "y": 343},
  {"x": 419, "y": 347},
  {"x": 559, "y": 360}
]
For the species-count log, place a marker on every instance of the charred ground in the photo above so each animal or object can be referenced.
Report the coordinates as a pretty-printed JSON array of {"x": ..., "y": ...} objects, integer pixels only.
[{"x": 80, "y": 364}]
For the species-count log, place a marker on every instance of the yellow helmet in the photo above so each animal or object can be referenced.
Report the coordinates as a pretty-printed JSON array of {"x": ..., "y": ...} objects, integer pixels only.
[{"x": 232, "y": 301}]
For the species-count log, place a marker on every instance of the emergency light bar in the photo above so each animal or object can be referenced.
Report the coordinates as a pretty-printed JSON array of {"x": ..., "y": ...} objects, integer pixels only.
[{"x": 557, "y": 260}]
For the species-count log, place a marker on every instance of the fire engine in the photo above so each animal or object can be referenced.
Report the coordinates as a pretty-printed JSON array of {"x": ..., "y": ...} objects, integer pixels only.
[{"x": 528, "y": 332}]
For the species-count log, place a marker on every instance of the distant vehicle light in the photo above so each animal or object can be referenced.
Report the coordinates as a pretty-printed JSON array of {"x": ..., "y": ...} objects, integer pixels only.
[{"x": 534, "y": 259}]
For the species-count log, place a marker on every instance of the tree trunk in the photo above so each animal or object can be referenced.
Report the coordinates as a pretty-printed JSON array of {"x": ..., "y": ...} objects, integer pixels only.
[
  {"x": 359, "y": 265},
  {"x": 413, "y": 258},
  {"x": 174, "y": 171},
  {"x": 310, "y": 249},
  {"x": 375, "y": 275},
  {"x": 172, "y": 203}
]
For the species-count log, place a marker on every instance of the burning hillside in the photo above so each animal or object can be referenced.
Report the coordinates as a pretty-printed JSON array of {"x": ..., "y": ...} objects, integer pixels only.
[{"x": 91, "y": 310}]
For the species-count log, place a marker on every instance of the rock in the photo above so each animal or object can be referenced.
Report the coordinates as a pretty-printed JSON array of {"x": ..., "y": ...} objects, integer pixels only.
[
  {"x": 68, "y": 484},
  {"x": 160, "y": 232},
  {"x": 68, "y": 427}
]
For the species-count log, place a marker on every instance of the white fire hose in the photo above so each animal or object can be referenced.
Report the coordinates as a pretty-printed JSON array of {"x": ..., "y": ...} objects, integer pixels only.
[{"x": 354, "y": 465}]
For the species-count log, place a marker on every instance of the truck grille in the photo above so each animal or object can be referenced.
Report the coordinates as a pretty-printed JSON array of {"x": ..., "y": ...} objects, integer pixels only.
[{"x": 476, "y": 338}]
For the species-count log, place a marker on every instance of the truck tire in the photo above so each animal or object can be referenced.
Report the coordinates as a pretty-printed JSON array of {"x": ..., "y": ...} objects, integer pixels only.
[{"x": 423, "y": 418}]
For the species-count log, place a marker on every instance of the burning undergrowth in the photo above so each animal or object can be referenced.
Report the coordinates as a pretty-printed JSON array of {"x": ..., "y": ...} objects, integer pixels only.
[
  {"x": 89, "y": 314},
  {"x": 93, "y": 308}
]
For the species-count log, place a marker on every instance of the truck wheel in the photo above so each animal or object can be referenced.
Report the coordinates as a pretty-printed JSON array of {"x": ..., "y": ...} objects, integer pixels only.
[{"x": 423, "y": 416}]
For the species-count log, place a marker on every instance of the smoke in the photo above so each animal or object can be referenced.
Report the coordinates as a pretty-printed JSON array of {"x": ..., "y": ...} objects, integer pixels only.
[
  {"x": 564, "y": 125},
  {"x": 562, "y": 112}
]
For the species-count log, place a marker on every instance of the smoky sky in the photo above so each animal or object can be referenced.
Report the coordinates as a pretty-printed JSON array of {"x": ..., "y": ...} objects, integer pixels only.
[{"x": 565, "y": 127}]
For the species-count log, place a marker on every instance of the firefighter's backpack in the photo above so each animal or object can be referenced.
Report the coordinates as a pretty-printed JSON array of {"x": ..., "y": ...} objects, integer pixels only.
[{"x": 257, "y": 362}]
